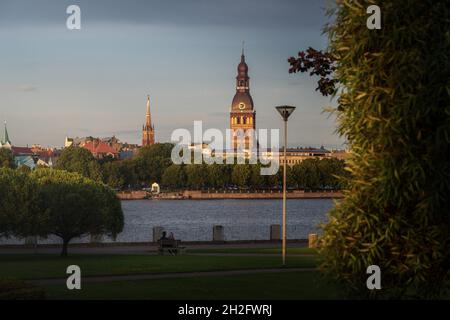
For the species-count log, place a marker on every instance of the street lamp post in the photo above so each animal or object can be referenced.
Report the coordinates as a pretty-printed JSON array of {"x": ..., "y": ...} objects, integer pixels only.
[{"x": 285, "y": 112}]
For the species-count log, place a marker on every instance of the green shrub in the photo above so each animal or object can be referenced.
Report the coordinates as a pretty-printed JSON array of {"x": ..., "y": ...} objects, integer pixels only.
[{"x": 394, "y": 110}]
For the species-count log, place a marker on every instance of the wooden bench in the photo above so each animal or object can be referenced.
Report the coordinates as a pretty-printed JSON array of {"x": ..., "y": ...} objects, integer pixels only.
[{"x": 171, "y": 247}]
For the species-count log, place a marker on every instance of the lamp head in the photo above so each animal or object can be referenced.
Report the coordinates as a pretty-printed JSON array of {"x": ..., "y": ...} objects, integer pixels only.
[{"x": 285, "y": 111}]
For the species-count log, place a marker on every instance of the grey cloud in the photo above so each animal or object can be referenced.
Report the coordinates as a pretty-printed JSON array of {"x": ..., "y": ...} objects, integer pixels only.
[{"x": 233, "y": 13}]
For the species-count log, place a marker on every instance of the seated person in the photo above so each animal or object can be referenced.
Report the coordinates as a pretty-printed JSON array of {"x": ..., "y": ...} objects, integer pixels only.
[{"x": 164, "y": 237}]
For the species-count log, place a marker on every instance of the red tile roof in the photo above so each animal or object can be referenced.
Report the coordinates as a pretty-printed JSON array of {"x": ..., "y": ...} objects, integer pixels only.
[
  {"x": 97, "y": 148},
  {"x": 21, "y": 151}
]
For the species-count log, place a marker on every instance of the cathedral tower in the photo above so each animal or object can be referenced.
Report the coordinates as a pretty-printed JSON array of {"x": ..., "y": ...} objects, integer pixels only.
[
  {"x": 242, "y": 114},
  {"x": 148, "y": 130}
]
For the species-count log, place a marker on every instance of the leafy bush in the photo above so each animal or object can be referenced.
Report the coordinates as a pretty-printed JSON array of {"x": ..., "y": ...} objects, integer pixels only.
[{"x": 395, "y": 112}]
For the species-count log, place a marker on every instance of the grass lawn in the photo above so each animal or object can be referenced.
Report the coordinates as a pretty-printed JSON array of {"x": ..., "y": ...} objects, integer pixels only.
[
  {"x": 53, "y": 266},
  {"x": 292, "y": 285},
  {"x": 295, "y": 285}
]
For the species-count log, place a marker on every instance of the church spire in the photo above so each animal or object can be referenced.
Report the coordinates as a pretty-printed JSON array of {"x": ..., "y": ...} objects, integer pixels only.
[
  {"x": 6, "y": 136},
  {"x": 148, "y": 131},
  {"x": 148, "y": 117}
]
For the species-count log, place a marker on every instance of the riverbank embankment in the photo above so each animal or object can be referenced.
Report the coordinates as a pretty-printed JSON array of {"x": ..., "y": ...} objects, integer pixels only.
[{"x": 232, "y": 194}]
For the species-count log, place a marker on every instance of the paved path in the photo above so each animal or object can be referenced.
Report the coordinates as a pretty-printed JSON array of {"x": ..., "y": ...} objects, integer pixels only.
[{"x": 149, "y": 276}]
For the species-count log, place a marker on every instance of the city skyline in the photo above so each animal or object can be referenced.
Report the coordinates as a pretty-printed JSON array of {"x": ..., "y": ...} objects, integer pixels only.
[{"x": 94, "y": 81}]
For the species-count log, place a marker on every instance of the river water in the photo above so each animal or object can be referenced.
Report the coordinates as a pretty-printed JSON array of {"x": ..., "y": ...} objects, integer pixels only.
[{"x": 194, "y": 219}]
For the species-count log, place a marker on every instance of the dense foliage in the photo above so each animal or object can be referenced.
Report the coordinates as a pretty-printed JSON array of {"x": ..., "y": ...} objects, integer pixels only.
[
  {"x": 395, "y": 99},
  {"x": 147, "y": 167},
  {"x": 6, "y": 158},
  {"x": 73, "y": 206},
  {"x": 153, "y": 164},
  {"x": 56, "y": 202},
  {"x": 19, "y": 212},
  {"x": 313, "y": 174},
  {"x": 79, "y": 160}
]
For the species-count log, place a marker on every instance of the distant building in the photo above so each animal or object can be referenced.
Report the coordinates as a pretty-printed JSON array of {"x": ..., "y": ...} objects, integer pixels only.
[
  {"x": 101, "y": 150},
  {"x": 21, "y": 151},
  {"x": 148, "y": 130},
  {"x": 102, "y": 147},
  {"x": 47, "y": 157},
  {"x": 340, "y": 154},
  {"x": 299, "y": 154},
  {"x": 23, "y": 160}
]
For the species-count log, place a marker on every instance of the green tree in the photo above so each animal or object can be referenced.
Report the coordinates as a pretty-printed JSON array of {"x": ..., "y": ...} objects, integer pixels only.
[
  {"x": 290, "y": 178},
  {"x": 6, "y": 158},
  {"x": 80, "y": 160},
  {"x": 174, "y": 177},
  {"x": 307, "y": 174},
  {"x": 256, "y": 179},
  {"x": 19, "y": 211},
  {"x": 128, "y": 172},
  {"x": 241, "y": 175},
  {"x": 217, "y": 175},
  {"x": 111, "y": 175},
  {"x": 119, "y": 174},
  {"x": 273, "y": 181},
  {"x": 330, "y": 170},
  {"x": 197, "y": 175},
  {"x": 152, "y": 161},
  {"x": 24, "y": 169},
  {"x": 395, "y": 113},
  {"x": 75, "y": 206}
]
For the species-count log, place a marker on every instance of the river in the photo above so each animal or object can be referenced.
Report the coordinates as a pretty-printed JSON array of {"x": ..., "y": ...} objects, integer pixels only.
[{"x": 192, "y": 220}]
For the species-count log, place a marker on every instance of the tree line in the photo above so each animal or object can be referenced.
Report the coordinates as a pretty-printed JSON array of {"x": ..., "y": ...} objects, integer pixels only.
[
  {"x": 153, "y": 164},
  {"x": 312, "y": 174}
]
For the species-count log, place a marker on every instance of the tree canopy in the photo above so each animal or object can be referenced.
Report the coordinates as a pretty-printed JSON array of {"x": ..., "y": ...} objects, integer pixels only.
[
  {"x": 19, "y": 211},
  {"x": 80, "y": 160},
  {"x": 74, "y": 206}
]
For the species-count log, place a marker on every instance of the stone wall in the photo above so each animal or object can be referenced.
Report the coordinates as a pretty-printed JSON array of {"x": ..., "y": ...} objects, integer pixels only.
[
  {"x": 132, "y": 195},
  {"x": 205, "y": 195},
  {"x": 296, "y": 194}
]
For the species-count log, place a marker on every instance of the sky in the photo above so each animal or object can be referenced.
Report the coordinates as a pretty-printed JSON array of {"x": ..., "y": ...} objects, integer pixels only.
[{"x": 56, "y": 82}]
